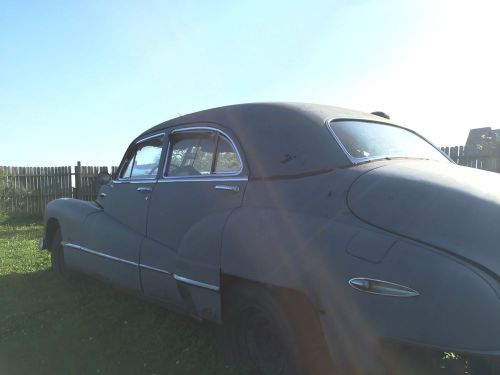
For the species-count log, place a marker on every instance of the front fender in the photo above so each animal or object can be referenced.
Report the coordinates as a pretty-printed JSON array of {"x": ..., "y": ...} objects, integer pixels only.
[{"x": 70, "y": 215}]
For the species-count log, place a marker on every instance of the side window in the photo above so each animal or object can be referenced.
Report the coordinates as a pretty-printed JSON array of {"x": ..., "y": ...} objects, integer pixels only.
[
  {"x": 191, "y": 154},
  {"x": 143, "y": 160},
  {"x": 201, "y": 153},
  {"x": 227, "y": 160}
]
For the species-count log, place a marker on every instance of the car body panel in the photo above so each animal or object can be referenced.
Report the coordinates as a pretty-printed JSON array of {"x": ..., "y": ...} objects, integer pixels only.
[
  {"x": 110, "y": 244},
  {"x": 186, "y": 223},
  {"x": 71, "y": 214},
  {"x": 301, "y": 216},
  {"x": 448, "y": 206}
]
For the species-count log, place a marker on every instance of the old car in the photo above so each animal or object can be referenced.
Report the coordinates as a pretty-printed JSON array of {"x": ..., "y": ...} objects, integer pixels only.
[{"x": 320, "y": 239}]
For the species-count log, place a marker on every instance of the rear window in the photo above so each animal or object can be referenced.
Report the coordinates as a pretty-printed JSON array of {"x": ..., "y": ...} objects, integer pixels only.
[{"x": 363, "y": 141}]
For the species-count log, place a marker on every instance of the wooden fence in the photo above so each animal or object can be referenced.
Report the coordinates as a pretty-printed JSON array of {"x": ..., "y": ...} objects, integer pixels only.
[
  {"x": 488, "y": 161},
  {"x": 27, "y": 190}
]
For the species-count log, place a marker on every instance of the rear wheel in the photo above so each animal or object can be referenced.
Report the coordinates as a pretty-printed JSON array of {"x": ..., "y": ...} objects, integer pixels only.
[
  {"x": 260, "y": 332},
  {"x": 57, "y": 255}
]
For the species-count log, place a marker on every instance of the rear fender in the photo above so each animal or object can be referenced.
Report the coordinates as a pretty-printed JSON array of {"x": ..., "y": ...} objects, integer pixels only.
[{"x": 279, "y": 248}]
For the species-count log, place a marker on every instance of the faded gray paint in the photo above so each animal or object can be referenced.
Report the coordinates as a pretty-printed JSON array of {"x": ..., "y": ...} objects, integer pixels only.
[{"x": 309, "y": 221}]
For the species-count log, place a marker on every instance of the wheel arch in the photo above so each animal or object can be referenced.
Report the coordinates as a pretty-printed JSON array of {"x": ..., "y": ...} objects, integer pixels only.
[
  {"x": 303, "y": 313},
  {"x": 229, "y": 282},
  {"x": 50, "y": 231}
]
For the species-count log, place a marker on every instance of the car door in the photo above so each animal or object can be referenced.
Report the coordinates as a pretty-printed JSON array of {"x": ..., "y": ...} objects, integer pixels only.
[
  {"x": 113, "y": 237},
  {"x": 203, "y": 182}
]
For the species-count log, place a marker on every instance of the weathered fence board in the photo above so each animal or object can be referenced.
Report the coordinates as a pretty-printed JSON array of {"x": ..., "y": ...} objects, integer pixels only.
[
  {"x": 27, "y": 190},
  {"x": 489, "y": 161}
]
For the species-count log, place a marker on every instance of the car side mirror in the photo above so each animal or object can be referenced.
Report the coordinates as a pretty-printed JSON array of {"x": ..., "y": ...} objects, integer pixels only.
[{"x": 103, "y": 178}]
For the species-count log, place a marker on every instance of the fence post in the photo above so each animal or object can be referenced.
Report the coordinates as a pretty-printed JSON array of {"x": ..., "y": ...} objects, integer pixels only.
[
  {"x": 497, "y": 161},
  {"x": 78, "y": 180},
  {"x": 461, "y": 156}
]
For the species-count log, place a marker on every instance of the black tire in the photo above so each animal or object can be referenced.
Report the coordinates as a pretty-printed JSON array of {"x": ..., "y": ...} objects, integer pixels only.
[
  {"x": 259, "y": 331},
  {"x": 57, "y": 256}
]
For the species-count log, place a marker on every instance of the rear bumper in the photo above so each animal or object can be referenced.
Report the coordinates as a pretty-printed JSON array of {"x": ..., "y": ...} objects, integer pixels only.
[
  {"x": 368, "y": 353},
  {"x": 419, "y": 358}
]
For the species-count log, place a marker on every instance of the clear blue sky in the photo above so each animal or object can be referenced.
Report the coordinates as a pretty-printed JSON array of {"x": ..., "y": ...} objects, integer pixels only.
[{"x": 80, "y": 79}]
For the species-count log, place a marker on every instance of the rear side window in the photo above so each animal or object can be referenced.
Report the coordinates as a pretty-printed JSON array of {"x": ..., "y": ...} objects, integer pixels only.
[
  {"x": 227, "y": 158},
  {"x": 143, "y": 159},
  {"x": 202, "y": 153}
]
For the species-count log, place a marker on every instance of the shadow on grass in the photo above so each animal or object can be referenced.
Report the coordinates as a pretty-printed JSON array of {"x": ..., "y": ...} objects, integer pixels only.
[{"x": 52, "y": 326}]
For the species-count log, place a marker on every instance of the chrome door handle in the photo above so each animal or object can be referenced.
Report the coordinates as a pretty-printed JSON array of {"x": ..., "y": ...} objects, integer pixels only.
[
  {"x": 144, "y": 189},
  {"x": 103, "y": 195},
  {"x": 228, "y": 187}
]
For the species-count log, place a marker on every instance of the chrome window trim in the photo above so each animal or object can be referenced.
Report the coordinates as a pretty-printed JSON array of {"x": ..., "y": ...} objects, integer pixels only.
[
  {"x": 150, "y": 137},
  {"x": 352, "y": 159},
  {"x": 141, "y": 181},
  {"x": 201, "y": 179},
  {"x": 200, "y": 129},
  {"x": 355, "y": 160},
  {"x": 185, "y": 280},
  {"x": 131, "y": 179}
]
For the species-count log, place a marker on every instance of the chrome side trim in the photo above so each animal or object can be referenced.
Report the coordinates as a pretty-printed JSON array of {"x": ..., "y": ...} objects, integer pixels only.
[
  {"x": 202, "y": 179},
  {"x": 381, "y": 287},
  {"x": 185, "y": 280},
  {"x": 93, "y": 252},
  {"x": 209, "y": 129},
  {"x": 176, "y": 277},
  {"x": 154, "y": 269}
]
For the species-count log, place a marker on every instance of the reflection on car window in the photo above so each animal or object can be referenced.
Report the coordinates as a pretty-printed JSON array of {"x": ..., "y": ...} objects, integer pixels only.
[
  {"x": 227, "y": 159},
  {"x": 192, "y": 154},
  {"x": 367, "y": 140},
  {"x": 143, "y": 160}
]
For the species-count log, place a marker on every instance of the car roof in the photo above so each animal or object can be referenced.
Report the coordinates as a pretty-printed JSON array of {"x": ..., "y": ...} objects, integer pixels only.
[
  {"x": 319, "y": 112},
  {"x": 278, "y": 139}
]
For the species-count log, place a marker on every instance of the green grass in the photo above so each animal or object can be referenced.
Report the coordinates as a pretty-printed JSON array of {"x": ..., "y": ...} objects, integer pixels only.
[
  {"x": 83, "y": 326},
  {"x": 52, "y": 326}
]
